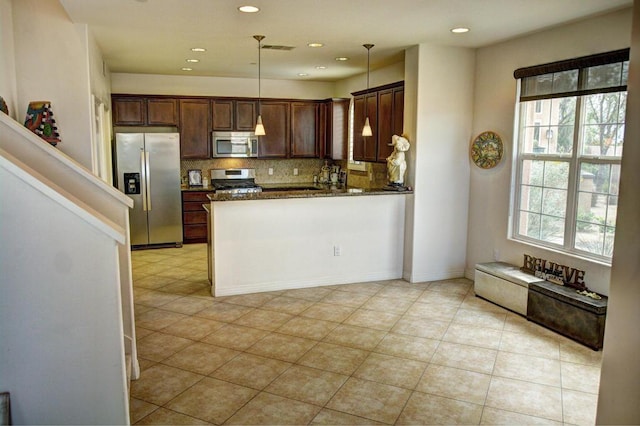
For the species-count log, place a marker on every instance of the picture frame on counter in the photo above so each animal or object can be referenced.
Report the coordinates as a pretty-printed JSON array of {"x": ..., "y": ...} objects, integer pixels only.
[{"x": 195, "y": 177}]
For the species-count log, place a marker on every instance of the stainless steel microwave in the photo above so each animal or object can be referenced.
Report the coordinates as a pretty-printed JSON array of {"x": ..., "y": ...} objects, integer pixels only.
[{"x": 234, "y": 144}]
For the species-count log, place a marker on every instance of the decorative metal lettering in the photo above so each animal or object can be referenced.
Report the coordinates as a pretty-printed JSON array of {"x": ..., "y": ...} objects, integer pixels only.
[{"x": 553, "y": 272}]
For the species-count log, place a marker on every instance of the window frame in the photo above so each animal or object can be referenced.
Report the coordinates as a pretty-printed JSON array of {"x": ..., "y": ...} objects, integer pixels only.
[{"x": 575, "y": 159}]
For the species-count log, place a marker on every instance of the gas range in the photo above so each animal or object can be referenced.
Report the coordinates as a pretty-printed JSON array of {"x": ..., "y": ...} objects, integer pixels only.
[{"x": 234, "y": 181}]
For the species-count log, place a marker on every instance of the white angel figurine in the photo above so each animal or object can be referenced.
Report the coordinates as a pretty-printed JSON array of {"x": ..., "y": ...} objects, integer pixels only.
[{"x": 396, "y": 164}]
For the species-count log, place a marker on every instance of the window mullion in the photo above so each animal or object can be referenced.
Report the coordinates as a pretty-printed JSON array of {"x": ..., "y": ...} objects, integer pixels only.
[{"x": 574, "y": 178}]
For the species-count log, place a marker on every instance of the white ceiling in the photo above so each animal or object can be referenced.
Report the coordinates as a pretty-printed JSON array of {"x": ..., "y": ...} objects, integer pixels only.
[{"x": 155, "y": 36}]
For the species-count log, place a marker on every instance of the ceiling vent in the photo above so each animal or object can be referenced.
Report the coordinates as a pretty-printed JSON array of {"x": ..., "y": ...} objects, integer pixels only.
[{"x": 277, "y": 47}]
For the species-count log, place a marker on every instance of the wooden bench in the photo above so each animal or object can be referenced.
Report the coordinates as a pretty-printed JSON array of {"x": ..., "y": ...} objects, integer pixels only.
[
  {"x": 503, "y": 284},
  {"x": 563, "y": 310}
]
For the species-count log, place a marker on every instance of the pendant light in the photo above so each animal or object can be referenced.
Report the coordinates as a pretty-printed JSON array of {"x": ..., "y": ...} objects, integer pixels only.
[
  {"x": 366, "y": 130},
  {"x": 259, "y": 127}
]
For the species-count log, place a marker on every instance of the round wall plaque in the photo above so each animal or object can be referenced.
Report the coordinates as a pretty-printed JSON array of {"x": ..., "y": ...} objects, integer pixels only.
[{"x": 487, "y": 150}]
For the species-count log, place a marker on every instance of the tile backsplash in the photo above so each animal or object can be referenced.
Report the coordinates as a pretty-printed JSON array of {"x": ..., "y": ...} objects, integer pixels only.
[
  {"x": 374, "y": 177},
  {"x": 282, "y": 168}
]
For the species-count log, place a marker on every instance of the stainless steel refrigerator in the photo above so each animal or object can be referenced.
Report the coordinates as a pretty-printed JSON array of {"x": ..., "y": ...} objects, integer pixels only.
[{"x": 148, "y": 168}]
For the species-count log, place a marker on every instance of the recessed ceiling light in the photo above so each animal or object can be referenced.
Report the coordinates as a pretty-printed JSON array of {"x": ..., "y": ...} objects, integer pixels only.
[
  {"x": 302, "y": 74},
  {"x": 187, "y": 69},
  {"x": 460, "y": 30},
  {"x": 193, "y": 60},
  {"x": 342, "y": 58},
  {"x": 198, "y": 49},
  {"x": 248, "y": 9},
  {"x": 321, "y": 67},
  {"x": 315, "y": 44}
]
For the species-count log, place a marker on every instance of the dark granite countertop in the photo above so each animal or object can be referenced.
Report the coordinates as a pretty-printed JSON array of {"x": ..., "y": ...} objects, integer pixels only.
[
  {"x": 187, "y": 188},
  {"x": 295, "y": 190}
]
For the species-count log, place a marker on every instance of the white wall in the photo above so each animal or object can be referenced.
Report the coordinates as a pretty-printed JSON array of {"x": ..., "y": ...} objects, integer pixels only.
[
  {"x": 99, "y": 73},
  {"x": 378, "y": 77},
  {"x": 494, "y": 110},
  {"x": 7, "y": 59},
  {"x": 100, "y": 83},
  {"x": 62, "y": 356},
  {"x": 438, "y": 124},
  {"x": 51, "y": 64},
  {"x": 620, "y": 376},
  {"x": 218, "y": 86},
  {"x": 289, "y": 243},
  {"x": 242, "y": 87}
]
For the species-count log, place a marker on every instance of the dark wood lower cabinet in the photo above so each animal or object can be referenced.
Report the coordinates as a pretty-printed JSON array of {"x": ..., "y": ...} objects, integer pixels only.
[{"x": 194, "y": 217}]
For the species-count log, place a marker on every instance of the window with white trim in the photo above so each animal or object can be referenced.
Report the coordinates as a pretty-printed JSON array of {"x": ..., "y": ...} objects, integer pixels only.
[{"x": 571, "y": 117}]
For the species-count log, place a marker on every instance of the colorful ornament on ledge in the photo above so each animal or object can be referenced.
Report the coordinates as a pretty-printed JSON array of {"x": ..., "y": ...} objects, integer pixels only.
[
  {"x": 3, "y": 106},
  {"x": 41, "y": 122}
]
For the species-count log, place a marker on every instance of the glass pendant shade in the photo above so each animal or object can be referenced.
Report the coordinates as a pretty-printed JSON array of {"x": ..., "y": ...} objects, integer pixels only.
[
  {"x": 259, "y": 127},
  {"x": 366, "y": 130}
]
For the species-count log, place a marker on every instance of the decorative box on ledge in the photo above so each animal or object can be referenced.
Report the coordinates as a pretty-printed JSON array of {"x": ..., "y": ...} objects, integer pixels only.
[
  {"x": 503, "y": 284},
  {"x": 565, "y": 311}
]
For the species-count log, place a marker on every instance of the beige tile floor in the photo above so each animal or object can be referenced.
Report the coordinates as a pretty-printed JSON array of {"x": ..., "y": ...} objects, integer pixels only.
[{"x": 368, "y": 353}]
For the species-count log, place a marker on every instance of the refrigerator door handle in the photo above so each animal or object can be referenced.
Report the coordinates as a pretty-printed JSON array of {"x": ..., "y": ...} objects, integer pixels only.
[
  {"x": 143, "y": 183},
  {"x": 148, "y": 180}
]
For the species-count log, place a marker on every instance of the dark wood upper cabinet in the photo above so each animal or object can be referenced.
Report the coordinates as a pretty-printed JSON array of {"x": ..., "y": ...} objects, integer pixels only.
[
  {"x": 371, "y": 144},
  {"x": 245, "y": 115},
  {"x": 233, "y": 115},
  {"x": 358, "y": 123},
  {"x": 365, "y": 147},
  {"x": 368, "y": 149},
  {"x": 324, "y": 130},
  {"x": 162, "y": 112},
  {"x": 385, "y": 107},
  {"x": 398, "y": 111},
  {"x": 144, "y": 111},
  {"x": 194, "y": 128},
  {"x": 304, "y": 129},
  {"x": 391, "y": 119},
  {"x": 295, "y": 128},
  {"x": 222, "y": 114},
  {"x": 129, "y": 111},
  {"x": 385, "y": 123},
  {"x": 275, "y": 117},
  {"x": 336, "y": 129}
]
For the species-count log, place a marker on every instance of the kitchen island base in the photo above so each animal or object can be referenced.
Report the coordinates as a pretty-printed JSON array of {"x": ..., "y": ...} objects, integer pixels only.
[{"x": 288, "y": 243}]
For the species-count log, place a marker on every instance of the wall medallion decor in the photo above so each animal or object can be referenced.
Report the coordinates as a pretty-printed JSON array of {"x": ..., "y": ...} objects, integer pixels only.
[
  {"x": 41, "y": 122},
  {"x": 487, "y": 150}
]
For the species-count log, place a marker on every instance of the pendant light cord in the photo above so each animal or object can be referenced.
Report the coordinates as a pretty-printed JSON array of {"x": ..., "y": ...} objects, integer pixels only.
[
  {"x": 368, "y": 57},
  {"x": 259, "y": 38},
  {"x": 366, "y": 130},
  {"x": 259, "y": 130},
  {"x": 259, "y": 73},
  {"x": 368, "y": 47}
]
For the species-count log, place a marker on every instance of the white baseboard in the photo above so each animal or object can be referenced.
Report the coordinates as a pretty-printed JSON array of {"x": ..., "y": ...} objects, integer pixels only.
[{"x": 316, "y": 282}]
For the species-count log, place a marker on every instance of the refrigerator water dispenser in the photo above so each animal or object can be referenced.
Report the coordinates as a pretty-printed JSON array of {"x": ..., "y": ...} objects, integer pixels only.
[{"x": 132, "y": 183}]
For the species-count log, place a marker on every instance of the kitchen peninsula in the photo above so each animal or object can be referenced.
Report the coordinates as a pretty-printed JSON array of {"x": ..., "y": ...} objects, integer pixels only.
[{"x": 295, "y": 238}]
